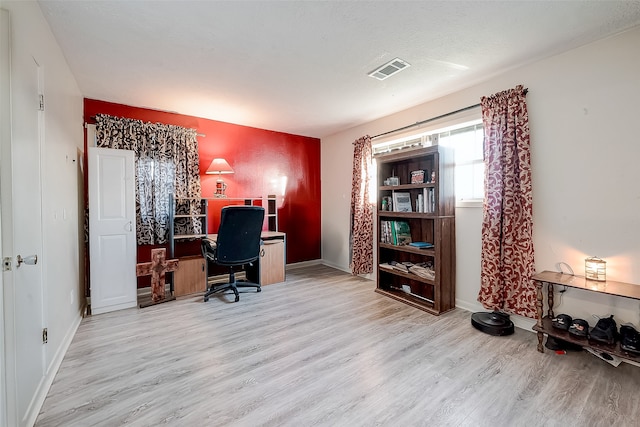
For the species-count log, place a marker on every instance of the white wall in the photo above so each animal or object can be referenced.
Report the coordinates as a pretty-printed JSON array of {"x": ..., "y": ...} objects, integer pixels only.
[
  {"x": 61, "y": 181},
  {"x": 583, "y": 111}
]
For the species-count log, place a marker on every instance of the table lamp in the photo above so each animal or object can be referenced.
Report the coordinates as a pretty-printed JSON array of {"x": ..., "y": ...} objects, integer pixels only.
[
  {"x": 595, "y": 269},
  {"x": 219, "y": 167}
]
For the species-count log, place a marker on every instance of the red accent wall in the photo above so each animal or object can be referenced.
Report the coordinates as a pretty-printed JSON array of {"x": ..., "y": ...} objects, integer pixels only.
[{"x": 262, "y": 160}]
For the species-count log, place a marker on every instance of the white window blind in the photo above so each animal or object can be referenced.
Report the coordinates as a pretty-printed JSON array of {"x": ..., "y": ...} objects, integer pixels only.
[{"x": 467, "y": 141}]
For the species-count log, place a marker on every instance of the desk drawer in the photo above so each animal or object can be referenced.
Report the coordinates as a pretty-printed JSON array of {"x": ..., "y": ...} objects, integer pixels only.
[
  {"x": 191, "y": 276},
  {"x": 272, "y": 262}
]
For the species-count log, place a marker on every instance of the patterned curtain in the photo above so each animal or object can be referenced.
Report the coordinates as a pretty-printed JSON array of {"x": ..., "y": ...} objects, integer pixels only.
[
  {"x": 507, "y": 227},
  {"x": 361, "y": 234},
  {"x": 167, "y": 163}
]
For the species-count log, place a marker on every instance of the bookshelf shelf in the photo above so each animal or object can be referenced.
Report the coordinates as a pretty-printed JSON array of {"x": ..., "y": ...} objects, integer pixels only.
[
  {"x": 406, "y": 214},
  {"x": 407, "y": 186},
  {"x": 411, "y": 299},
  {"x": 431, "y": 219},
  {"x": 406, "y": 276},
  {"x": 187, "y": 220},
  {"x": 406, "y": 248}
]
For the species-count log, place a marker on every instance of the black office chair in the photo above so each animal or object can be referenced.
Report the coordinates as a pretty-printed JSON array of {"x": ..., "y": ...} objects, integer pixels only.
[{"x": 237, "y": 244}]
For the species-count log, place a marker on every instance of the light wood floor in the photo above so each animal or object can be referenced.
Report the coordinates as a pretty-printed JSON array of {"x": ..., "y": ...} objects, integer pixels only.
[{"x": 324, "y": 349}]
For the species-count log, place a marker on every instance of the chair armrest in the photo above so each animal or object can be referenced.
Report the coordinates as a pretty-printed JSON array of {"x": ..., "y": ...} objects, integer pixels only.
[{"x": 209, "y": 249}]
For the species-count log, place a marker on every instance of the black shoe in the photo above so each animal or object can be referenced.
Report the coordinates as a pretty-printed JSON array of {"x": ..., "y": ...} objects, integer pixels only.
[
  {"x": 560, "y": 344},
  {"x": 605, "y": 331},
  {"x": 562, "y": 321},
  {"x": 629, "y": 339},
  {"x": 579, "y": 328}
]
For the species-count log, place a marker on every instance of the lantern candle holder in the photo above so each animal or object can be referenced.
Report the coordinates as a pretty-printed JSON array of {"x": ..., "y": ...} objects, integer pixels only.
[{"x": 595, "y": 269}]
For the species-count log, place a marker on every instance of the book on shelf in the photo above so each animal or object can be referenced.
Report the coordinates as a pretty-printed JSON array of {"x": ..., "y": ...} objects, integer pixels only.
[
  {"x": 400, "y": 266},
  {"x": 429, "y": 200},
  {"x": 395, "y": 233},
  {"x": 402, "y": 233},
  {"x": 396, "y": 266},
  {"x": 385, "y": 232},
  {"x": 386, "y": 266},
  {"x": 421, "y": 245},
  {"x": 401, "y": 201},
  {"x": 423, "y": 270}
]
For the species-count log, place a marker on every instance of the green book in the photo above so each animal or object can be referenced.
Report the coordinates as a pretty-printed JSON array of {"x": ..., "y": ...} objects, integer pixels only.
[
  {"x": 392, "y": 225},
  {"x": 402, "y": 234}
]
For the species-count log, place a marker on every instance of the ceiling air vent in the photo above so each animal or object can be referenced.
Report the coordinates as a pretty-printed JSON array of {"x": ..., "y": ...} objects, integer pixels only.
[{"x": 389, "y": 69}]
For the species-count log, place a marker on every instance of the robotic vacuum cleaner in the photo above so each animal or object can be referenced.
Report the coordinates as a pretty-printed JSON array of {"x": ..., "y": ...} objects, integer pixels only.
[{"x": 495, "y": 323}]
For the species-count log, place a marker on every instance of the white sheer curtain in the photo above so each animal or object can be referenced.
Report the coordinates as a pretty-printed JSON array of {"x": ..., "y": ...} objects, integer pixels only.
[
  {"x": 361, "y": 233},
  {"x": 167, "y": 162}
]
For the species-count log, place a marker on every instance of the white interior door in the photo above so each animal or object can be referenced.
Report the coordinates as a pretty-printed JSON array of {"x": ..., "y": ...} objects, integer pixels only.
[
  {"x": 21, "y": 192},
  {"x": 112, "y": 229},
  {"x": 5, "y": 140}
]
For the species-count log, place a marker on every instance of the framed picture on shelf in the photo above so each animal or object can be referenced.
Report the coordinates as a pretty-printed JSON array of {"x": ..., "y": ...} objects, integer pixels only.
[
  {"x": 402, "y": 202},
  {"x": 393, "y": 180},
  {"x": 417, "y": 177}
]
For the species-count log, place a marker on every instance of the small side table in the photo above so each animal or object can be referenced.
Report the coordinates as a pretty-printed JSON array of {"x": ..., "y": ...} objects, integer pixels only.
[{"x": 544, "y": 323}]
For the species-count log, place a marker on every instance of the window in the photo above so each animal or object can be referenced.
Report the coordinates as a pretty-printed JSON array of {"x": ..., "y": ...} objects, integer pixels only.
[
  {"x": 155, "y": 178},
  {"x": 467, "y": 141}
]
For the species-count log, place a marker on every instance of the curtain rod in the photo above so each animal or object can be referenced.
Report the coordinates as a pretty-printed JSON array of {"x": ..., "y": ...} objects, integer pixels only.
[
  {"x": 427, "y": 120},
  {"x": 202, "y": 135},
  {"x": 526, "y": 90}
]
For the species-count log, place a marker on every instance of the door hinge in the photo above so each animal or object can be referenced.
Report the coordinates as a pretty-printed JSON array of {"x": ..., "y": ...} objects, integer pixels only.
[
  {"x": 41, "y": 106},
  {"x": 45, "y": 335},
  {"x": 6, "y": 264}
]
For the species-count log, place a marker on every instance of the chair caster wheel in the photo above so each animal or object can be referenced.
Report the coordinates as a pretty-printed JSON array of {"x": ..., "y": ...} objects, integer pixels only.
[
  {"x": 206, "y": 299},
  {"x": 259, "y": 290},
  {"x": 237, "y": 298}
]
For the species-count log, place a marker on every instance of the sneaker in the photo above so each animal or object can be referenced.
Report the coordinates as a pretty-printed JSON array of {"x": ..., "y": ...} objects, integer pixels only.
[
  {"x": 579, "y": 328},
  {"x": 629, "y": 339},
  {"x": 560, "y": 344},
  {"x": 562, "y": 321},
  {"x": 605, "y": 331}
]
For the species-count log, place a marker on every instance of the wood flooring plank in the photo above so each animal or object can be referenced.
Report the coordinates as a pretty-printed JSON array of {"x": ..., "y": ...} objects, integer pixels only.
[{"x": 322, "y": 349}]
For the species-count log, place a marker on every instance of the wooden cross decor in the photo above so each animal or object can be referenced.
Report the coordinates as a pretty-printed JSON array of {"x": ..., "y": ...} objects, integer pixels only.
[{"x": 156, "y": 268}]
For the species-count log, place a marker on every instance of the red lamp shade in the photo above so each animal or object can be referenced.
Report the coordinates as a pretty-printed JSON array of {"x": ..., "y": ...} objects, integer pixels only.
[{"x": 218, "y": 167}]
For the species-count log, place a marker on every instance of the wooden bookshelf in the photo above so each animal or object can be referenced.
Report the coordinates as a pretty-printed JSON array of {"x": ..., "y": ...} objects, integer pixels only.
[{"x": 437, "y": 227}]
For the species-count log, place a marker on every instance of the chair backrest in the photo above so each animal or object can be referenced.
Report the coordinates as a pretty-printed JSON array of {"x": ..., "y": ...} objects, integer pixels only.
[{"x": 239, "y": 235}]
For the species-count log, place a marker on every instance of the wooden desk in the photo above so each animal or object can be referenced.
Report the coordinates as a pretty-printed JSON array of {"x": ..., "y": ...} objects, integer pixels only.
[
  {"x": 544, "y": 324},
  {"x": 191, "y": 276},
  {"x": 271, "y": 264}
]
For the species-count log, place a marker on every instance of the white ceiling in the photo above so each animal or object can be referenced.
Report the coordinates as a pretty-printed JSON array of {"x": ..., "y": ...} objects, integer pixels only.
[{"x": 301, "y": 66}]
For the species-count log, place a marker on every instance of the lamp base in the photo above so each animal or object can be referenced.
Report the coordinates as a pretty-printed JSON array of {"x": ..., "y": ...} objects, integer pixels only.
[{"x": 220, "y": 187}]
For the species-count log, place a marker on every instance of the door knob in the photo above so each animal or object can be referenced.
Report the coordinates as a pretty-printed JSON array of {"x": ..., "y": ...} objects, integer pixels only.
[{"x": 30, "y": 260}]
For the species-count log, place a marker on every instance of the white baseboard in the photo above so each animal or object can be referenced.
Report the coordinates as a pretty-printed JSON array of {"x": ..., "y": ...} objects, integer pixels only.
[
  {"x": 521, "y": 322},
  {"x": 336, "y": 266},
  {"x": 45, "y": 384},
  {"x": 301, "y": 264}
]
